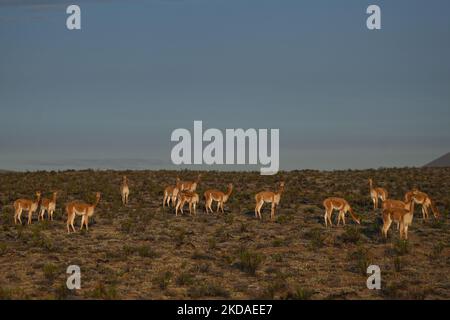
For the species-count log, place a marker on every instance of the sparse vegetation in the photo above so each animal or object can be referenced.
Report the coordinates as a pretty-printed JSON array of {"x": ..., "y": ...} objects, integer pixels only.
[
  {"x": 104, "y": 292},
  {"x": 398, "y": 264},
  {"x": 50, "y": 271},
  {"x": 401, "y": 247},
  {"x": 361, "y": 259},
  {"x": 3, "y": 248},
  {"x": 351, "y": 235},
  {"x": 316, "y": 237},
  {"x": 163, "y": 279},
  {"x": 249, "y": 261},
  {"x": 185, "y": 279},
  {"x": 140, "y": 251},
  {"x": 300, "y": 294},
  {"x": 436, "y": 252},
  {"x": 208, "y": 289}
]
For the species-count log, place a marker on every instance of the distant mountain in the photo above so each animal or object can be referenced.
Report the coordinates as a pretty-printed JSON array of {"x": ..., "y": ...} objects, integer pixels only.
[{"x": 443, "y": 161}]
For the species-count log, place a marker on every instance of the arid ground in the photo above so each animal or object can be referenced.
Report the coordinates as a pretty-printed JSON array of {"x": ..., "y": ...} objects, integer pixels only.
[{"x": 144, "y": 252}]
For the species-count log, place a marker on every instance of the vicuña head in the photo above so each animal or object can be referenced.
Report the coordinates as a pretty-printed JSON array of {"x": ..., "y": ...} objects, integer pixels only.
[{"x": 435, "y": 209}]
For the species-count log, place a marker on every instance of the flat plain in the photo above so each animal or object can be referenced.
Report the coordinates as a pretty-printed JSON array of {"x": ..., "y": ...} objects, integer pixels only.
[{"x": 142, "y": 251}]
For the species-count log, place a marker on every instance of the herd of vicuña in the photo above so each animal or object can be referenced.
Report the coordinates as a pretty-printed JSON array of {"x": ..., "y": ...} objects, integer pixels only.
[{"x": 184, "y": 192}]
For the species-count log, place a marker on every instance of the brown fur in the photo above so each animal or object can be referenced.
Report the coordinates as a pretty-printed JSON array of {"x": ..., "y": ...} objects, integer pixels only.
[
  {"x": 124, "y": 190},
  {"x": 48, "y": 205},
  {"x": 268, "y": 197},
  {"x": 190, "y": 185},
  {"x": 218, "y": 196},
  {"x": 26, "y": 205},
  {"x": 425, "y": 201},
  {"x": 171, "y": 193},
  {"x": 190, "y": 197},
  {"x": 340, "y": 204},
  {"x": 376, "y": 194},
  {"x": 403, "y": 216},
  {"x": 82, "y": 209}
]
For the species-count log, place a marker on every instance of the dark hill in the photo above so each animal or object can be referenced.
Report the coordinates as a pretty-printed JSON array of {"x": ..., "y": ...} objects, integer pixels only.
[{"x": 443, "y": 161}]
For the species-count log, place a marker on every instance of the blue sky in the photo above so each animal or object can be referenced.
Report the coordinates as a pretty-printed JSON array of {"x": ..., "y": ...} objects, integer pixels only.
[{"x": 111, "y": 94}]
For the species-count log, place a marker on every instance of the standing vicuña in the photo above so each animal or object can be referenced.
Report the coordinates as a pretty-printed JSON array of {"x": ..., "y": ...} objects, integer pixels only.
[
  {"x": 48, "y": 205},
  {"x": 26, "y": 205},
  {"x": 403, "y": 216},
  {"x": 189, "y": 197},
  {"x": 424, "y": 200},
  {"x": 376, "y": 194},
  {"x": 81, "y": 209},
  {"x": 392, "y": 204},
  {"x": 125, "y": 190},
  {"x": 216, "y": 195},
  {"x": 340, "y": 204},
  {"x": 171, "y": 194},
  {"x": 190, "y": 185},
  {"x": 269, "y": 197}
]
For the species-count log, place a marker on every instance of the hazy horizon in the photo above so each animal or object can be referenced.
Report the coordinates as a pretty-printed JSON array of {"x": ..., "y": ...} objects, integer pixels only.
[{"x": 110, "y": 94}]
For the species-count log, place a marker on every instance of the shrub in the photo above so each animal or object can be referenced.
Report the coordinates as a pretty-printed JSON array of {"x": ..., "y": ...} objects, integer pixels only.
[
  {"x": 212, "y": 244},
  {"x": 401, "y": 247},
  {"x": 6, "y": 294},
  {"x": 276, "y": 285},
  {"x": 310, "y": 210},
  {"x": 184, "y": 278},
  {"x": 362, "y": 259},
  {"x": 163, "y": 279},
  {"x": 243, "y": 228},
  {"x": 249, "y": 261},
  {"x": 277, "y": 257},
  {"x": 147, "y": 252},
  {"x": 50, "y": 271},
  {"x": 179, "y": 237},
  {"x": 351, "y": 235},
  {"x": 106, "y": 292},
  {"x": 222, "y": 234},
  {"x": 229, "y": 219},
  {"x": 300, "y": 294},
  {"x": 435, "y": 252},
  {"x": 3, "y": 248},
  {"x": 62, "y": 292},
  {"x": 316, "y": 238},
  {"x": 208, "y": 289},
  {"x": 198, "y": 255},
  {"x": 126, "y": 226},
  {"x": 398, "y": 265}
]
